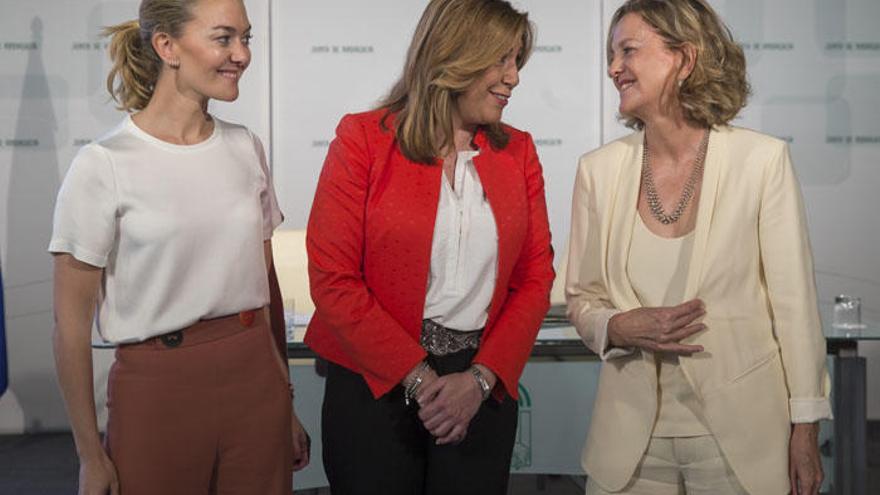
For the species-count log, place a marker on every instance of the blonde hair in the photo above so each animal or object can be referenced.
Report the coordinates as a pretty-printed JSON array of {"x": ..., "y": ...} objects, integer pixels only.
[
  {"x": 717, "y": 88},
  {"x": 136, "y": 65},
  {"x": 454, "y": 43}
]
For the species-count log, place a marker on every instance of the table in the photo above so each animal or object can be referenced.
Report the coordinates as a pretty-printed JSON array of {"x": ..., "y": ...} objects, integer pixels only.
[{"x": 849, "y": 402}]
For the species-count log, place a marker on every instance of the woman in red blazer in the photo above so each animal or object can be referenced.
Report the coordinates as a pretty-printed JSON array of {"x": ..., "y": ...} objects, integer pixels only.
[{"x": 430, "y": 265}]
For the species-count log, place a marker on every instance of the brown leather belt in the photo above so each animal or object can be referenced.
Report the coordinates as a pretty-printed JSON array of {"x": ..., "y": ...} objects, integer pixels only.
[{"x": 203, "y": 331}]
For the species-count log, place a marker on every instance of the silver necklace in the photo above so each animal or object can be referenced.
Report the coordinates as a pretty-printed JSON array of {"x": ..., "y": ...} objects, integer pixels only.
[{"x": 687, "y": 193}]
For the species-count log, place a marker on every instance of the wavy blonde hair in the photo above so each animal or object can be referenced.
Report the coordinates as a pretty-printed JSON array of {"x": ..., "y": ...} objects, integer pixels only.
[
  {"x": 717, "y": 89},
  {"x": 454, "y": 43},
  {"x": 136, "y": 65}
]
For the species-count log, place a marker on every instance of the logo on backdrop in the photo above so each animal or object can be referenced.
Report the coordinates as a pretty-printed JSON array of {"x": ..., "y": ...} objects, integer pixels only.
[
  {"x": 357, "y": 49},
  {"x": 548, "y": 142},
  {"x": 89, "y": 46},
  {"x": 853, "y": 46},
  {"x": 19, "y": 46},
  {"x": 768, "y": 46},
  {"x": 19, "y": 143}
]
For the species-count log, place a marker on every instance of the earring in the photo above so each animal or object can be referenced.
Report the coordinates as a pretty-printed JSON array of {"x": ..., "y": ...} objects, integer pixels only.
[
  {"x": 680, "y": 81},
  {"x": 175, "y": 64}
]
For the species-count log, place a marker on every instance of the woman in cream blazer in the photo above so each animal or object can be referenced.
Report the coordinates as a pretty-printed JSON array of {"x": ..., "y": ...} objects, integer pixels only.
[{"x": 743, "y": 335}]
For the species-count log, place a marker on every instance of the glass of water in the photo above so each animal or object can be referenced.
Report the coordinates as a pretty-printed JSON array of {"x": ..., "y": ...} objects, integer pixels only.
[{"x": 847, "y": 312}]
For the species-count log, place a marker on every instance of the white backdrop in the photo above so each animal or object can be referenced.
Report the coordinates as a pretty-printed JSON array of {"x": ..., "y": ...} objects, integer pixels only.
[{"x": 814, "y": 66}]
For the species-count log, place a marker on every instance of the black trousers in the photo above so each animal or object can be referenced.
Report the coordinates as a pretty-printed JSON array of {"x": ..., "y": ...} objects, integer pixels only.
[{"x": 379, "y": 446}]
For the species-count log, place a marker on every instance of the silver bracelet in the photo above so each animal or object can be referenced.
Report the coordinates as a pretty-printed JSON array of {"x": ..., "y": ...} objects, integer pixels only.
[
  {"x": 411, "y": 389},
  {"x": 485, "y": 389}
]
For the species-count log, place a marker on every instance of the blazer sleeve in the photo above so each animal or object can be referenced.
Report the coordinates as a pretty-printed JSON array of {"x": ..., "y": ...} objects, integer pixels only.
[
  {"x": 506, "y": 349},
  {"x": 788, "y": 268},
  {"x": 589, "y": 307},
  {"x": 367, "y": 333}
]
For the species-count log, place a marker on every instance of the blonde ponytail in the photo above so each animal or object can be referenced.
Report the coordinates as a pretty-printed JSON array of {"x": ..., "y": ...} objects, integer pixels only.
[{"x": 136, "y": 66}]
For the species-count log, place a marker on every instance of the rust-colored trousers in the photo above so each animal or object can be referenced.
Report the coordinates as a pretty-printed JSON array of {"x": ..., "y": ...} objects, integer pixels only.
[{"x": 202, "y": 411}]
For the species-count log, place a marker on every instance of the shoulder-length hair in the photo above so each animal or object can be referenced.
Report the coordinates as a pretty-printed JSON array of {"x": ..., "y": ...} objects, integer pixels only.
[
  {"x": 717, "y": 89},
  {"x": 453, "y": 44}
]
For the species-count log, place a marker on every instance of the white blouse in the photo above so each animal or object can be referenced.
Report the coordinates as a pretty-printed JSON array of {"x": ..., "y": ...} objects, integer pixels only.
[
  {"x": 179, "y": 230},
  {"x": 464, "y": 252}
]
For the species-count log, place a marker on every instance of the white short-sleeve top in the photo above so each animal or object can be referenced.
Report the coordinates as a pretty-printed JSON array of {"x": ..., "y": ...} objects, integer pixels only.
[{"x": 178, "y": 229}]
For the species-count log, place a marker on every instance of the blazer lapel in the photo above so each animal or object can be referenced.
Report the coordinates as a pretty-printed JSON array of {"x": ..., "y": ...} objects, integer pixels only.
[
  {"x": 712, "y": 169},
  {"x": 623, "y": 217},
  {"x": 708, "y": 195}
]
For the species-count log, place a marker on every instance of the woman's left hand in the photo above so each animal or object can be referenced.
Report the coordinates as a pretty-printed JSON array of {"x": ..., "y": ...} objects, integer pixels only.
[
  {"x": 302, "y": 444},
  {"x": 804, "y": 466},
  {"x": 448, "y": 404}
]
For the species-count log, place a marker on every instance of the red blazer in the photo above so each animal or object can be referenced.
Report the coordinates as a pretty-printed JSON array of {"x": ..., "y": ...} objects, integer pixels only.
[{"x": 369, "y": 245}]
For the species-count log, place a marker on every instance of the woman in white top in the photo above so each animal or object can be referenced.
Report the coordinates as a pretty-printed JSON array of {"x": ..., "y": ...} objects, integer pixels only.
[
  {"x": 163, "y": 228},
  {"x": 690, "y": 275}
]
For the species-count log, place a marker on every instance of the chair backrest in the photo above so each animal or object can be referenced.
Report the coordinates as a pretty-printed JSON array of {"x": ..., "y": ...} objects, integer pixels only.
[{"x": 291, "y": 265}]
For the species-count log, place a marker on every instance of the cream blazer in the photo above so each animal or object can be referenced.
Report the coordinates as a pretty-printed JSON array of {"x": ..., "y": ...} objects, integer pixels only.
[{"x": 763, "y": 367}]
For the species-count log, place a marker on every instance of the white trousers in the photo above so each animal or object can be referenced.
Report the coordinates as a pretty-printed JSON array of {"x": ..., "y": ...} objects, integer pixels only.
[{"x": 677, "y": 466}]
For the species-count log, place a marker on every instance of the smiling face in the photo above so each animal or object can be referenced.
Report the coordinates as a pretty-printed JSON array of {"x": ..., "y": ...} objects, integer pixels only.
[
  {"x": 644, "y": 70},
  {"x": 213, "y": 50},
  {"x": 483, "y": 101}
]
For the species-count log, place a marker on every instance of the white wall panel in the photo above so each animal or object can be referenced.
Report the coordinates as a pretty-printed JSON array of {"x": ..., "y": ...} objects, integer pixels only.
[
  {"x": 558, "y": 99},
  {"x": 52, "y": 67},
  {"x": 328, "y": 59}
]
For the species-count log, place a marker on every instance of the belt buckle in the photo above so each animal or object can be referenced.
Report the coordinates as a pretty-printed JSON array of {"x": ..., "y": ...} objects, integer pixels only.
[
  {"x": 173, "y": 339},
  {"x": 441, "y": 341},
  {"x": 246, "y": 318}
]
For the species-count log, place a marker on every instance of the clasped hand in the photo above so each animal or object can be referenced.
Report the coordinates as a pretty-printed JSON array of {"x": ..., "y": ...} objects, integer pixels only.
[
  {"x": 447, "y": 404},
  {"x": 658, "y": 329}
]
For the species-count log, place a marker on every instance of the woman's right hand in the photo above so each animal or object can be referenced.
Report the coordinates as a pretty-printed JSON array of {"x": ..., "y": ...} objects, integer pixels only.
[
  {"x": 658, "y": 329},
  {"x": 98, "y": 476}
]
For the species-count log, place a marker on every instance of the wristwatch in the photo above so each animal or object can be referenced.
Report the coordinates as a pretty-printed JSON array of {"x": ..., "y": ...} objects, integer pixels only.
[{"x": 485, "y": 389}]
